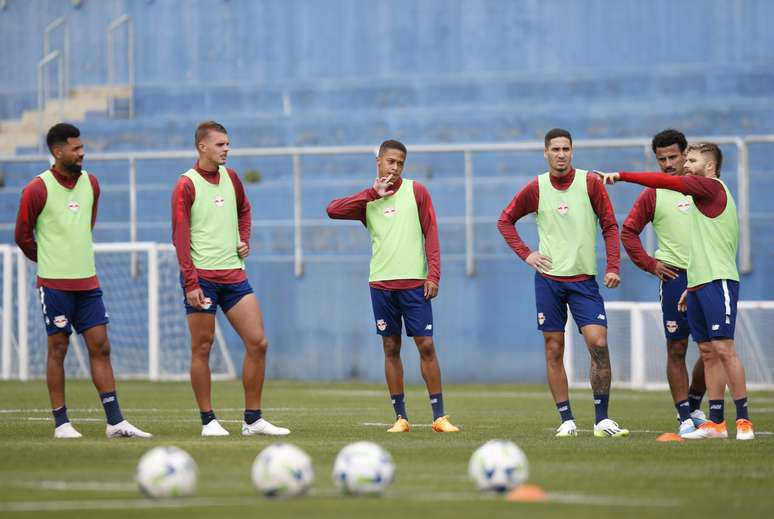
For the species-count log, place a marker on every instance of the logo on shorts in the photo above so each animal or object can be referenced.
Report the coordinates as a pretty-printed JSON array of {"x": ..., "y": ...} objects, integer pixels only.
[
  {"x": 219, "y": 201},
  {"x": 715, "y": 327},
  {"x": 671, "y": 326},
  {"x": 601, "y": 317},
  {"x": 563, "y": 208},
  {"x": 389, "y": 212},
  {"x": 60, "y": 321},
  {"x": 541, "y": 318},
  {"x": 381, "y": 325},
  {"x": 429, "y": 327},
  {"x": 73, "y": 206},
  {"x": 207, "y": 303},
  {"x": 683, "y": 206}
]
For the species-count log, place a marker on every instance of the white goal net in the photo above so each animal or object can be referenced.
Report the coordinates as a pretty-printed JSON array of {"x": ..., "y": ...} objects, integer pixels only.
[
  {"x": 638, "y": 347},
  {"x": 148, "y": 331}
]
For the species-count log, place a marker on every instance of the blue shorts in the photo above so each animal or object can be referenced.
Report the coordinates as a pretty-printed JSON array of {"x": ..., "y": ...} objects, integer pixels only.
[
  {"x": 64, "y": 310},
  {"x": 553, "y": 297},
  {"x": 224, "y": 294},
  {"x": 712, "y": 310},
  {"x": 392, "y": 305},
  {"x": 675, "y": 322}
]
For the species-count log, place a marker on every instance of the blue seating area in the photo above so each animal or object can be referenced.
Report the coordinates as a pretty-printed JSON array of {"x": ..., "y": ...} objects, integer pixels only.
[{"x": 318, "y": 77}]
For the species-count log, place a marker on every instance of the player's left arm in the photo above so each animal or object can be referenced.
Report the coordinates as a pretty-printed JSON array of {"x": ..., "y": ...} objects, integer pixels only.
[
  {"x": 600, "y": 202},
  {"x": 427, "y": 221},
  {"x": 95, "y": 188},
  {"x": 244, "y": 214}
]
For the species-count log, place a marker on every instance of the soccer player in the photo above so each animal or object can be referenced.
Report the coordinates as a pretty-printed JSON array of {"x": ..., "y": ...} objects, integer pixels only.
[
  {"x": 569, "y": 203},
  {"x": 404, "y": 274},
  {"x": 211, "y": 233},
  {"x": 54, "y": 225},
  {"x": 669, "y": 211},
  {"x": 713, "y": 281}
]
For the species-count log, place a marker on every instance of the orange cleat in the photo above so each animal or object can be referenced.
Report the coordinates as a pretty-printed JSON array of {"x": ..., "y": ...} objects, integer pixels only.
[
  {"x": 708, "y": 429},
  {"x": 442, "y": 424},
  {"x": 401, "y": 425},
  {"x": 744, "y": 430}
]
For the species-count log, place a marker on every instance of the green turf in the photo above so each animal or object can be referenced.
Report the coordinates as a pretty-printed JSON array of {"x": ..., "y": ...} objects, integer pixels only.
[{"x": 584, "y": 476}]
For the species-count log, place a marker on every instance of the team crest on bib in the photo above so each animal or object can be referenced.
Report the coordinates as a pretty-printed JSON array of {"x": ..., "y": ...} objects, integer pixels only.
[
  {"x": 541, "y": 318},
  {"x": 683, "y": 206},
  {"x": 671, "y": 326},
  {"x": 389, "y": 212},
  {"x": 381, "y": 324},
  {"x": 219, "y": 201},
  {"x": 60, "y": 321},
  {"x": 73, "y": 206},
  {"x": 563, "y": 208}
]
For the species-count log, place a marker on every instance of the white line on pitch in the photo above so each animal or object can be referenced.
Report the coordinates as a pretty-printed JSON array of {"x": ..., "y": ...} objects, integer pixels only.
[{"x": 76, "y": 485}]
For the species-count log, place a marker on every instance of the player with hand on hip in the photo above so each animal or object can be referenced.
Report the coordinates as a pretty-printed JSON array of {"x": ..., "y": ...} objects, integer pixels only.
[{"x": 569, "y": 204}]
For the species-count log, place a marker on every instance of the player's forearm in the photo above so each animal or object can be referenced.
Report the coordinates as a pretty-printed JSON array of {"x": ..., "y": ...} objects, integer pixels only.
[
  {"x": 351, "y": 207},
  {"x": 656, "y": 180},
  {"x": 507, "y": 228},
  {"x": 612, "y": 249},
  {"x": 637, "y": 253}
]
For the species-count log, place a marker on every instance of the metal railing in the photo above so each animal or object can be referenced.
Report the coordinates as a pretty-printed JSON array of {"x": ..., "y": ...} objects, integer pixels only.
[
  {"x": 51, "y": 27},
  {"x": 111, "y": 65},
  {"x": 467, "y": 152},
  {"x": 44, "y": 90}
]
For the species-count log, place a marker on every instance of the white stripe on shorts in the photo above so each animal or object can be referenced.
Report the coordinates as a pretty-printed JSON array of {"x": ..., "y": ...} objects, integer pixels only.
[{"x": 726, "y": 297}]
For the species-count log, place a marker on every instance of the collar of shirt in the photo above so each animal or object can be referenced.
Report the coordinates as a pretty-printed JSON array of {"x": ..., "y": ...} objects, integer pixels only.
[
  {"x": 65, "y": 180},
  {"x": 208, "y": 175},
  {"x": 563, "y": 182}
]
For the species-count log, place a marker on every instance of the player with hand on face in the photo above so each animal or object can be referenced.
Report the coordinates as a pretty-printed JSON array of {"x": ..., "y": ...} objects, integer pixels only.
[
  {"x": 211, "y": 232},
  {"x": 713, "y": 281},
  {"x": 54, "y": 225},
  {"x": 670, "y": 214},
  {"x": 404, "y": 273},
  {"x": 569, "y": 204}
]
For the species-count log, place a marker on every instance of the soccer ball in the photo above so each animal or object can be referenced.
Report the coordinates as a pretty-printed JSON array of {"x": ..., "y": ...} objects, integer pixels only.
[
  {"x": 363, "y": 468},
  {"x": 498, "y": 465},
  {"x": 282, "y": 470},
  {"x": 166, "y": 472}
]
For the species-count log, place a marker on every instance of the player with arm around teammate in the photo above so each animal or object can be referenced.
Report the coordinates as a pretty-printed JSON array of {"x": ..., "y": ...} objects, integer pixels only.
[
  {"x": 713, "y": 281},
  {"x": 569, "y": 203},
  {"x": 670, "y": 214},
  {"x": 54, "y": 225},
  {"x": 211, "y": 233},
  {"x": 404, "y": 273}
]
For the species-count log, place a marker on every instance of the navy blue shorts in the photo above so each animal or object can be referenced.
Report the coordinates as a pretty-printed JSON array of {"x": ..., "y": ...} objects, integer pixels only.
[
  {"x": 675, "y": 322},
  {"x": 410, "y": 305},
  {"x": 712, "y": 310},
  {"x": 553, "y": 297},
  {"x": 225, "y": 295},
  {"x": 64, "y": 310}
]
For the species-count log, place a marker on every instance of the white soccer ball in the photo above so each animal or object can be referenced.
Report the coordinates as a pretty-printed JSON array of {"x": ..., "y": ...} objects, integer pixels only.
[
  {"x": 498, "y": 465},
  {"x": 166, "y": 472},
  {"x": 282, "y": 470},
  {"x": 363, "y": 468}
]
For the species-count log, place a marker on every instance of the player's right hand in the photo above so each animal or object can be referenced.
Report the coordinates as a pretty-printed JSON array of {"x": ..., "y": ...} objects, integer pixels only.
[
  {"x": 539, "y": 262},
  {"x": 382, "y": 186},
  {"x": 682, "y": 304},
  {"x": 195, "y": 298},
  {"x": 663, "y": 272}
]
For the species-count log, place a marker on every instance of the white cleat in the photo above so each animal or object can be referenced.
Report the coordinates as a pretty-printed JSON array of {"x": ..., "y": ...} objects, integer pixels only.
[
  {"x": 66, "y": 430},
  {"x": 698, "y": 417},
  {"x": 125, "y": 430},
  {"x": 686, "y": 427},
  {"x": 214, "y": 429},
  {"x": 261, "y": 426},
  {"x": 608, "y": 428},
  {"x": 567, "y": 429}
]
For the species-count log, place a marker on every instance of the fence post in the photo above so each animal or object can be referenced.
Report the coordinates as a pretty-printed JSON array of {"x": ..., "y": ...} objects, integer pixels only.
[
  {"x": 154, "y": 360},
  {"x": 470, "y": 229},
  {"x": 22, "y": 303},
  {"x": 637, "y": 341},
  {"x": 7, "y": 310},
  {"x": 298, "y": 253}
]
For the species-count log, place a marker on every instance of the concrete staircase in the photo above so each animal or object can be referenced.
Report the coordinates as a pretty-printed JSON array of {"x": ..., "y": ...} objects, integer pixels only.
[{"x": 23, "y": 133}]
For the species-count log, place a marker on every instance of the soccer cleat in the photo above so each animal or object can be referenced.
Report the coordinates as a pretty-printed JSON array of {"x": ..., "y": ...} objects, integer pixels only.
[
  {"x": 708, "y": 429},
  {"x": 401, "y": 425},
  {"x": 744, "y": 430},
  {"x": 608, "y": 428},
  {"x": 686, "y": 427},
  {"x": 66, "y": 431},
  {"x": 442, "y": 424},
  {"x": 698, "y": 417},
  {"x": 261, "y": 426},
  {"x": 213, "y": 428},
  {"x": 125, "y": 430},
  {"x": 567, "y": 429}
]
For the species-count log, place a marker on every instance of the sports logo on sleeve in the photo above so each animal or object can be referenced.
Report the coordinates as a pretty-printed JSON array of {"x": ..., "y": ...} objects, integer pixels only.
[
  {"x": 219, "y": 201},
  {"x": 563, "y": 208},
  {"x": 73, "y": 206}
]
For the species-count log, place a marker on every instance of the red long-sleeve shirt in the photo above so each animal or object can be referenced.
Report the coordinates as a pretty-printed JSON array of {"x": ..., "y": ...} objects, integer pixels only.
[
  {"x": 33, "y": 200},
  {"x": 526, "y": 201},
  {"x": 182, "y": 199},
  {"x": 354, "y": 208},
  {"x": 642, "y": 212},
  {"x": 708, "y": 194}
]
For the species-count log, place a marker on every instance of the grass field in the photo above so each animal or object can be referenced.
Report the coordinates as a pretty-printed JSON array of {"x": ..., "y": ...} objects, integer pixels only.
[{"x": 583, "y": 477}]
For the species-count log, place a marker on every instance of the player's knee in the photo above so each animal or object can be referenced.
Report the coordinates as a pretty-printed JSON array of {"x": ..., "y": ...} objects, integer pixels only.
[
  {"x": 202, "y": 345},
  {"x": 101, "y": 350},
  {"x": 57, "y": 350},
  {"x": 598, "y": 343},
  {"x": 555, "y": 354},
  {"x": 257, "y": 346},
  {"x": 391, "y": 347},
  {"x": 426, "y": 348},
  {"x": 676, "y": 351}
]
